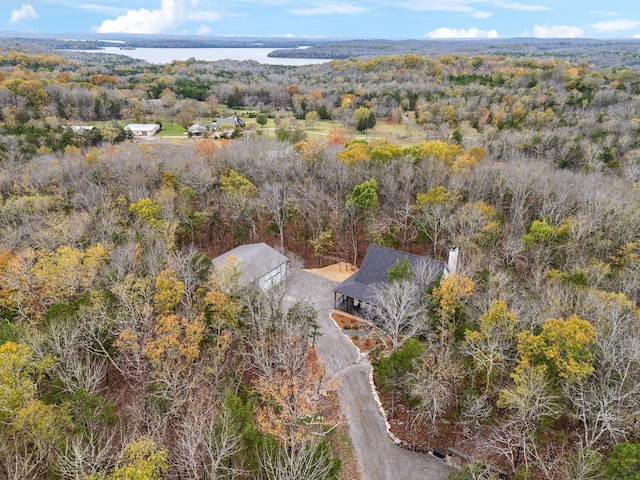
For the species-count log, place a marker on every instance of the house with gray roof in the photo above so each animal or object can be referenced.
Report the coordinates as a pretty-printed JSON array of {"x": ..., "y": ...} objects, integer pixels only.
[
  {"x": 234, "y": 120},
  {"x": 356, "y": 293},
  {"x": 196, "y": 130},
  {"x": 259, "y": 264}
]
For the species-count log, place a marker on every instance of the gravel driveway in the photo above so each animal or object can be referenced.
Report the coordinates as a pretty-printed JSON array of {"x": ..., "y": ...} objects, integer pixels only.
[{"x": 350, "y": 374}]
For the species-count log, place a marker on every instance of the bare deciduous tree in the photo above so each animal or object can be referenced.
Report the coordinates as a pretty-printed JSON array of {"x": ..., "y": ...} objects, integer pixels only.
[{"x": 401, "y": 315}]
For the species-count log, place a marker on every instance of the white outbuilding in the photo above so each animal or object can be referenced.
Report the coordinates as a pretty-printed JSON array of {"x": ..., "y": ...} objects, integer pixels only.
[
  {"x": 143, "y": 129},
  {"x": 259, "y": 264}
]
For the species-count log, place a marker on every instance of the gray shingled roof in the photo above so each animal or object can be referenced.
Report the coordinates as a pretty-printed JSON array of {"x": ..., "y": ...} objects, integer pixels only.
[
  {"x": 374, "y": 268},
  {"x": 257, "y": 259}
]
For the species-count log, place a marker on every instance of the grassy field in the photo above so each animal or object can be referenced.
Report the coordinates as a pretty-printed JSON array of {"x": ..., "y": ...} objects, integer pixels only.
[
  {"x": 394, "y": 132},
  {"x": 171, "y": 130}
]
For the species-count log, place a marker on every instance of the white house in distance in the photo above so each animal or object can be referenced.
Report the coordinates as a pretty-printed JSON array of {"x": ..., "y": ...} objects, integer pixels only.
[
  {"x": 259, "y": 264},
  {"x": 80, "y": 129},
  {"x": 143, "y": 129}
]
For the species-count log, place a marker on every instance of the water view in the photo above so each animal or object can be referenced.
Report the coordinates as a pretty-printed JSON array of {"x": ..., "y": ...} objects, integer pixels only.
[{"x": 167, "y": 55}]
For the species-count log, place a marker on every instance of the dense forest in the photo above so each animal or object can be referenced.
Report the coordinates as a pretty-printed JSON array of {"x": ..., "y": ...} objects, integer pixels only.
[{"x": 125, "y": 354}]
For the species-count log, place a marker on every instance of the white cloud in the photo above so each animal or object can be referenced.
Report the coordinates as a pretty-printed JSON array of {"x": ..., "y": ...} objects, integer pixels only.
[
  {"x": 23, "y": 13},
  {"x": 557, "y": 31},
  {"x": 523, "y": 7},
  {"x": 605, "y": 13},
  {"x": 467, "y": 6},
  {"x": 460, "y": 6},
  {"x": 614, "y": 25},
  {"x": 331, "y": 9},
  {"x": 460, "y": 33},
  {"x": 104, "y": 9},
  {"x": 480, "y": 14},
  {"x": 203, "y": 30},
  {"x": 170, "y": 15}
]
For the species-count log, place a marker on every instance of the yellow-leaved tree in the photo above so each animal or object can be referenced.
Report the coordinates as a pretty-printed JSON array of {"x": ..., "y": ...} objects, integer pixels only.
[
  {"x": 169, "y": 291},
  {"x": 490, "y": 345},
  {"x": 448, "y": 299},
  {"x": 563, "y": 347},
  {"x": 31, "y": 431},
  {"x": 143, "y": 461}
]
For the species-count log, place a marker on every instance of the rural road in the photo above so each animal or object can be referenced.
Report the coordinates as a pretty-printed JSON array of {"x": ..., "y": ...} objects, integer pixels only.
[{"x": 349, "y": 373}]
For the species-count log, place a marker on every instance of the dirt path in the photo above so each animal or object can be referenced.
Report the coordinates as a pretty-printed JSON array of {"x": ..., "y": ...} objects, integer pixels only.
[{"x": 350, "y": 374}]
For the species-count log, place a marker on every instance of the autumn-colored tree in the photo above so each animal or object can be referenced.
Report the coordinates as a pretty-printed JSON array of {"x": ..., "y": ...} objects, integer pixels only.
[
  {"x": 29, "y": 283},
  {"x": 335, "y": 136},
  {"x": 102, "y": 79},
  {"x": 323, "y": 243},
  {"x": 311, "y": 119},
  {"x": 448, "y": 300},
  {"x": 346, "y": 100},
  {"x": 476, "y": 225},
  {"x": 61, "y": 275},
  {"x": 436, "y": 150},
  {"x": 148, "y": 211},
  {"x": 490, "y": 346},
  {"x": 207, "y": 148},
  {"x": 450, "y": 116},
  {"x": 233, "y": 183},
  {"x": 289, "y": 408},
  {"x": 530, "y": 401},
  {"x": 16, "y": 284},
  {"x": 222, "y": 306},
  {"x": 169, "y": 292},
  {"x": 355, "y": 152},
  {"x": 562, "y": 346},
  {"x": 142, "y": 461},
  {"x": 311, "y": 151},
  {"x": 30, "y": 430},
  {"x": 365, "y": 119},
  {"x": 33, "y": 92},
  {"x": 383, "y": 151},
  {"x": 175, "y": 342},
  {"x": 432, "y": 211}
]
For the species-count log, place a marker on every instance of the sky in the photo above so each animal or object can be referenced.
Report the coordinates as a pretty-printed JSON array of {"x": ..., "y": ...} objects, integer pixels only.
[{"x": 330, "y": 19}]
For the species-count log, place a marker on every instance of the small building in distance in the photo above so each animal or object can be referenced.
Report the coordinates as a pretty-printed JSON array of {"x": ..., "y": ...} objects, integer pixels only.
[
  {"x": 259, "y": 264},
  {"x": 80, "y": 129},
  {"x": 196, "y": 130},
  {"x": 142, "y": 129},
  {"x": 356, "y": 293},
  {"x": 234, "y": 120}
]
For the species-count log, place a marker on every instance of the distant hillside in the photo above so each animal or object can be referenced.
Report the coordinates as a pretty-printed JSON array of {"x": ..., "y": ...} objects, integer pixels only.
[{"x": 600, "y": 53}]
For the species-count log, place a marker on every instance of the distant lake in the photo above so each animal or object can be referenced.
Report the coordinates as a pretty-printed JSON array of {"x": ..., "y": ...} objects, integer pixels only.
[{"x": 167, "y": 55}]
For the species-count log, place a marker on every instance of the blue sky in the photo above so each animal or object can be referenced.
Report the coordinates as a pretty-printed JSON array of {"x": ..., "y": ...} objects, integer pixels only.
[{"x": 392, "y": 19}]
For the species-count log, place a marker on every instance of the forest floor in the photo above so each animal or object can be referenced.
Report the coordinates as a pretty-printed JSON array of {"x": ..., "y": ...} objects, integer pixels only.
[{"x": 338, "y": 272}]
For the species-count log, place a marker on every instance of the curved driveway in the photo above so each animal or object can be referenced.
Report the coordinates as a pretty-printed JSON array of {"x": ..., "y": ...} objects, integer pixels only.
[{"x": 349, "y": 373}]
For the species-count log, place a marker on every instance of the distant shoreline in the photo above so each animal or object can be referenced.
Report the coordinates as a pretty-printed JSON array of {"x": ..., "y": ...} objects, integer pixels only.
[{"x": 164, "y": 55}]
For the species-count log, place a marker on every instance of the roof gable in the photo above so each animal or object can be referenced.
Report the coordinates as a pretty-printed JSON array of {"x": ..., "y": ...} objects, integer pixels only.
[
  {"x": 374, "y": 271},
  {"x": 233, "y": 120}
]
